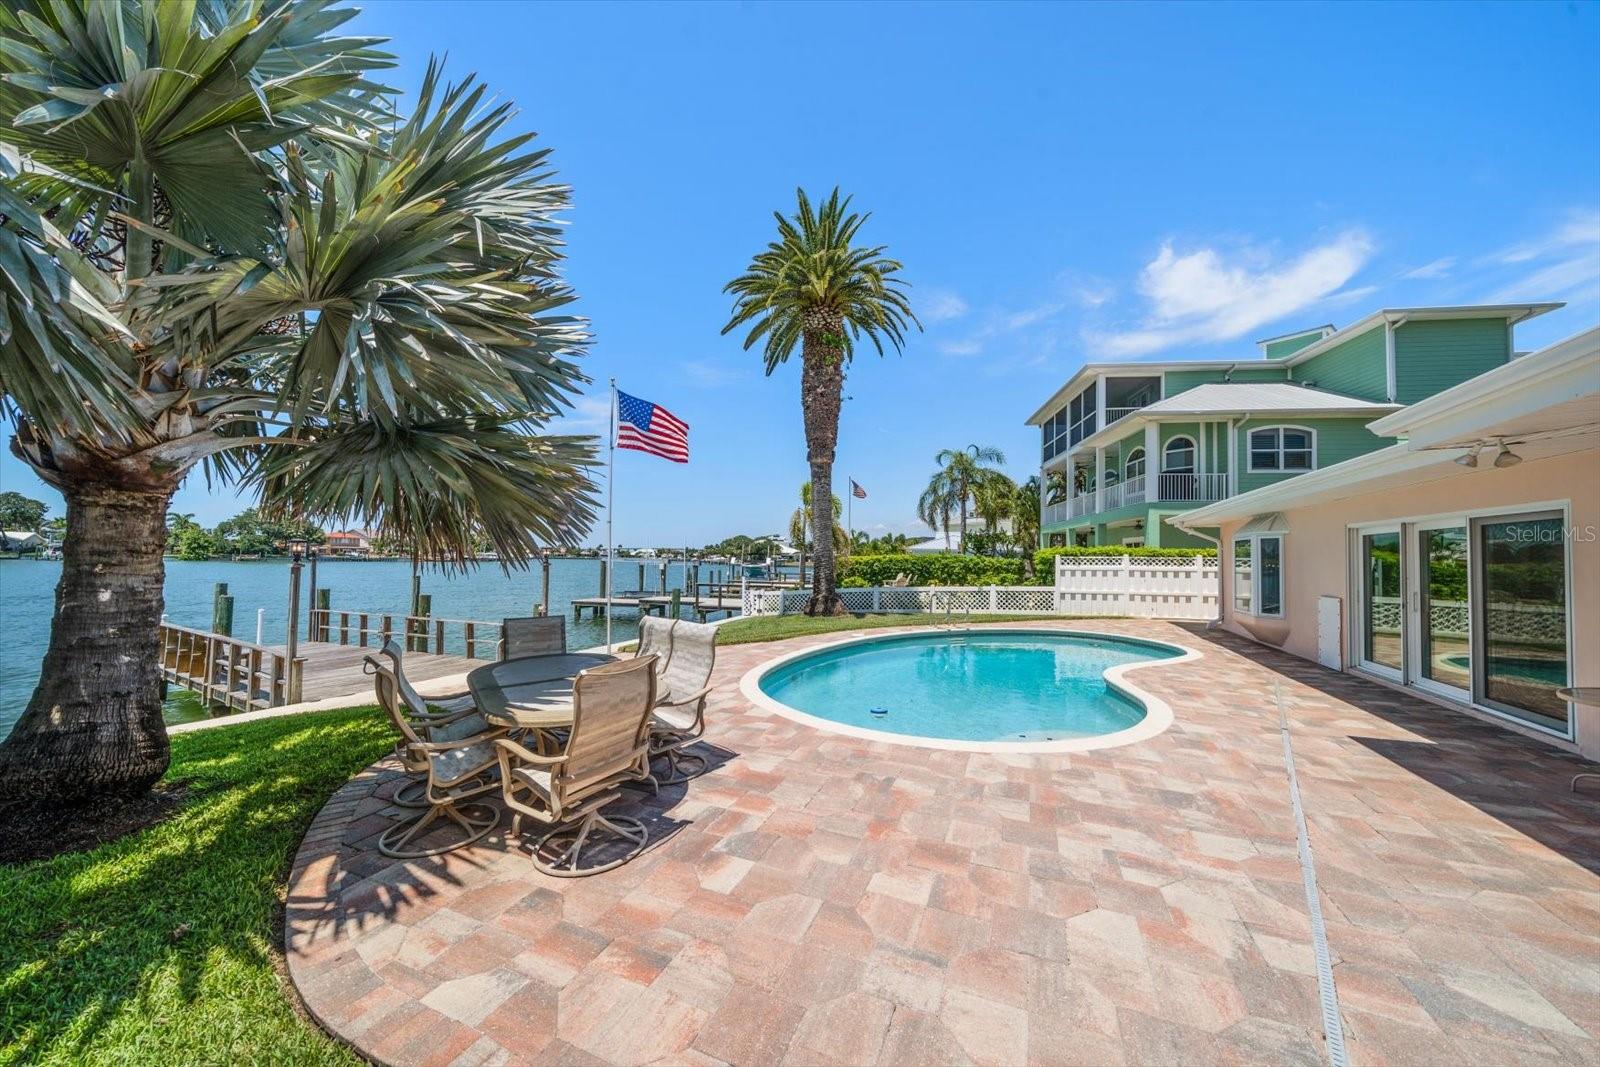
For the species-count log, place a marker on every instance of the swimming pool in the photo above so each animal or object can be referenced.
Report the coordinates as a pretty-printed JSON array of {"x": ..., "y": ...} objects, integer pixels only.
[{"x": 990, "y": 689}]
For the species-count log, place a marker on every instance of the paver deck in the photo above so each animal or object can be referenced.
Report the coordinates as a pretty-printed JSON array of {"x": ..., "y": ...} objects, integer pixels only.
[{"x": 819, "y": 899}]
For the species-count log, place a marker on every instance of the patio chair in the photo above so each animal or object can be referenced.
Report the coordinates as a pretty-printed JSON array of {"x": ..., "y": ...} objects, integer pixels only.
[
  {"x": 444, "y": 718},
  {"x": 455, "y": 771},
  {"x": 899, "y": 581},
  {"x": 608, "y": 746},
  {"x": 679, "y": 719},
  {"x": 535, "y": 635},
  {"x": 655, "y": 639}
]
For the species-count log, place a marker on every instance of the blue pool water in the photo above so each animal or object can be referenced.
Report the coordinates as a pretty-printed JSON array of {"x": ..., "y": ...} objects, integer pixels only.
[{"x": 979, "y": 686}]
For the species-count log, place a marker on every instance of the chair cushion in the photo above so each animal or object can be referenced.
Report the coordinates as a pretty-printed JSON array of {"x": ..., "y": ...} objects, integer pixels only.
[
  {"x": 459, "y": 764},
  {"x": 461, "y": 702},
  {"x": 460, "y": 730}
]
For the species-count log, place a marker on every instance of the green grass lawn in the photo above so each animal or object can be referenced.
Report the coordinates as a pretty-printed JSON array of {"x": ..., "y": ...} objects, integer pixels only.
[
  {"x": 159, "y": 948},
  {"x": 778, "y": 627}
]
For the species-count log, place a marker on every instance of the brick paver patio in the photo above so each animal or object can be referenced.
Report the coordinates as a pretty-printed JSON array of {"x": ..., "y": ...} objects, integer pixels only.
[{"x": 818, "y": 899}]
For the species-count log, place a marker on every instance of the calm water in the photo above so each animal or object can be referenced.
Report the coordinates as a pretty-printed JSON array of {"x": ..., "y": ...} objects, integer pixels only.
[
  {"x": 27, "y": 600},
  {"x": 970, "y": 687}
]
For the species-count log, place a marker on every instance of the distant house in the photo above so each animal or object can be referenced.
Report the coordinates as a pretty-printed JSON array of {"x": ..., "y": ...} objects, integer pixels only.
[
  {"x": 348, "y": 543},
  {"x": 20, "y": 541}
]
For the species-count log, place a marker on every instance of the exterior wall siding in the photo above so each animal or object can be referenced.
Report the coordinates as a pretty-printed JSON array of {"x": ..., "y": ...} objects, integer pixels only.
[
  {"x": 1433, "y": 355},
  {"x": 1289, "y": 346},
  {"x": 1357, "y": 367},
  {"x": 1179, "y": 381},
  {"x": 1337, "y": 441}
]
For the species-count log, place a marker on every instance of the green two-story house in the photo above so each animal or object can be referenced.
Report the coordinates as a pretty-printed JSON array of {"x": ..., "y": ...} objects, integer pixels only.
[{"x": 1127, "y": 445}]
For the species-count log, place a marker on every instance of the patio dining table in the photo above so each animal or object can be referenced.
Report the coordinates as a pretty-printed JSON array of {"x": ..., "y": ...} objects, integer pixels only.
[{"x": 531, "y": 692}]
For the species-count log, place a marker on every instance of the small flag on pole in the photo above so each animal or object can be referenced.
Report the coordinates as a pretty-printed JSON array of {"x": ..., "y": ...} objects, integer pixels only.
[
  {"x": 646, "y": 427},
  {"x": 856, "y": 490}
]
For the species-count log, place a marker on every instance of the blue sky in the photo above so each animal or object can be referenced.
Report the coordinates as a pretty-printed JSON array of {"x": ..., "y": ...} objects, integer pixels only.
[{"x": 1061, "y": 182}]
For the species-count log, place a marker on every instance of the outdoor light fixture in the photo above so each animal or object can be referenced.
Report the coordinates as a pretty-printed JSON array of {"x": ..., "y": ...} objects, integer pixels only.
[
  {"x": 1471, "y": 458},
  {"x": 1506, "y": 458}
]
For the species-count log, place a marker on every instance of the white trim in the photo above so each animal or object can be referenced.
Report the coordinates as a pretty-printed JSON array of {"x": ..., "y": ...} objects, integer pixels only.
[
  {"x": 1158, "y": 713},
  {"x": 1255, "y": 540},
  {"x": 1144, "y": 460},
  {"x": 1390, "y": 374},
  {"x": 1233, "y": 459},
  {"x": 1279, "y": 427},
  {"x": 1194, "y": 449}
]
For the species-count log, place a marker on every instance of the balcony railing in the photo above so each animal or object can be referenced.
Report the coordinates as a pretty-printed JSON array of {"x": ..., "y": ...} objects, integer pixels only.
[
  {"x": 1163, "y": 488},
  {"x": 1113, "y": 414}
]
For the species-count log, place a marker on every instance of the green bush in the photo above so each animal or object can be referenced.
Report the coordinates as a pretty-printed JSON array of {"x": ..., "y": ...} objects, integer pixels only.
[
  {"x": 853, "y": 582},
  {"x": 943, "y": 569}
]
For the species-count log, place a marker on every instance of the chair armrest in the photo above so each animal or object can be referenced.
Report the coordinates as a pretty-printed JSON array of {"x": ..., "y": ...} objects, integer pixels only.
[
  {"x": 678, "y": 702},
  {"x": 507, "y": 747},
  {"x": 491, "y": 734}
]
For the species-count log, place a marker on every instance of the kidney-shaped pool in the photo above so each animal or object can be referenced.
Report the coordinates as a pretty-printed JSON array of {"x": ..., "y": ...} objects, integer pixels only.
[{"x": 994, "y": 689}]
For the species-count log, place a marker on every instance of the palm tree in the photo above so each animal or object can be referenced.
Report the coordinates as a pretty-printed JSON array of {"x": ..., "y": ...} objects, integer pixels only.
[
  {"x": 802, "y": 527},
  {"x": 814, "y": 287},
  {"x": 934, "y": 507},
  {"x": 1025, "y": 507},
  {"x": 952, "y": 488},
  {"x": 1056, "y": 487},
  {"x": 222, "y": 248},
  {"x": 994, "y": 497}
]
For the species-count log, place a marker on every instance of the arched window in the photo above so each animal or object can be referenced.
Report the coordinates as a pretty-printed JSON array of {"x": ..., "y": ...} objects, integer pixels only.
[
  {"x": 1282, "y": 448},
  {"x": 1134, "y": 466},
  {"x": 1177, "y": 457}
]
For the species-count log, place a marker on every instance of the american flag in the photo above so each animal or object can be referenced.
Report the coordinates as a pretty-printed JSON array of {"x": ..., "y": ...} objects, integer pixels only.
[
  {"x": 646, "y": 427},
  {"x": 856, "y": 490}
]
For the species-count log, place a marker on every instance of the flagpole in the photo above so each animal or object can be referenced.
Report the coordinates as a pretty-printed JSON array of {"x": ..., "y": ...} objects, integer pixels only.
[
  {"x": 611, "y": 500},
  {"x": 850, "y": 510}
]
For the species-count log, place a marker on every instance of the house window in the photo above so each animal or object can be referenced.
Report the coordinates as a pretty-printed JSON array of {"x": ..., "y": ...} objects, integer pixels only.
[
  {"x": 1178, "y": 456},
  {"x": 1134, "y": 467},
  {"x": 1282, "y": 448},
  {"x": 1081, "y": 413},
  {"x": 1258, "y": 575}
]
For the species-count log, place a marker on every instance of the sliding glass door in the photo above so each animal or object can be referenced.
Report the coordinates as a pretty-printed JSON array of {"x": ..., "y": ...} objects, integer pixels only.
[
  {"x": 1381, "y": 605},
  {"x": 1521, "y": 603},
  {"x": 1443, "y": 621},
  {"x": 1473, "y": 609}
]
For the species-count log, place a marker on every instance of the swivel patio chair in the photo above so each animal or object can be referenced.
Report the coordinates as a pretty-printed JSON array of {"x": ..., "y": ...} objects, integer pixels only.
[
  {"x": 534, "y": 635},
  {"x": 679, "y": 719},
  {"x": 608, "y": 747},
  {"x": 441, "y": 718},
  {"x": 455, "y": 772},
  {"x": 655, "y": 639}
]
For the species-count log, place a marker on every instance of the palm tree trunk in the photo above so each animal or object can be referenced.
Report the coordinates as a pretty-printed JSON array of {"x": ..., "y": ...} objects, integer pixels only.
[
  {"x": 963, "y": 520},
  {"x": 93, "y": 728},
  {"x": 821, "y": 390}
]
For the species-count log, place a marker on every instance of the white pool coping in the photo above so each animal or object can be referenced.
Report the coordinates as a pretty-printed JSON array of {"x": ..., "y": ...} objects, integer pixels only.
[{"x": 1157, "y": 712}]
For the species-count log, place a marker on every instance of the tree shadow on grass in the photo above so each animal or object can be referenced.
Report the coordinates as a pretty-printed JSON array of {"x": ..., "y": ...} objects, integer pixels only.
[
  {"x": 159, "y": 947},
  {"x": 1520, "y": 781}
]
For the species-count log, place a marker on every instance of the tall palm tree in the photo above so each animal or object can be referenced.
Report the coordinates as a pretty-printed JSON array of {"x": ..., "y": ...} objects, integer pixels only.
[
  {"x": 952, "y": 487},
  {"x": 816, "y": 288},
  {"x": 994, "y": 499},
  {"x": 219, "y": 247},
  {"x": 802, "y": 527},
  {"x": 935, "y": 507}
]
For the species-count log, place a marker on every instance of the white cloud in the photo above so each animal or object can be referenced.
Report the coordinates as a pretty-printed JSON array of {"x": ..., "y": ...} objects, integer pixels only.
[
  {"x": 1092, "y": 296},
  {"x": 1563, "y": 262},
  {"x": 1202, "y": 296},
  {"x": 1580, "y": 229},
  {"x": 589, "y": 415},
  {"x": 969, "y": 347},
  {"x": 939, "y": 305},
  {"x": 1439, "y": 268}
]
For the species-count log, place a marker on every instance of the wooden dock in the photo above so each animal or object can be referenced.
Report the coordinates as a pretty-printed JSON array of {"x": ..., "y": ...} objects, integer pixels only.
[{"x": 333, "y": 670}]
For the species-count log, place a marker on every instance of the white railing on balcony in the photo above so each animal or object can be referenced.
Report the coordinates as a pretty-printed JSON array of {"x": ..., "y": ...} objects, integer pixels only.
[
  {"x": 1083, "y": 505},
  {"x": 1055, "y": 514},
  {"x": 1192, "y": 487},
  {"x": 1113, "y": 414}
]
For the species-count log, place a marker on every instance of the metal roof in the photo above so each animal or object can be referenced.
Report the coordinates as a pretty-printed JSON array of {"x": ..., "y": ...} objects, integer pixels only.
[{"x": 1257, "y": 397}]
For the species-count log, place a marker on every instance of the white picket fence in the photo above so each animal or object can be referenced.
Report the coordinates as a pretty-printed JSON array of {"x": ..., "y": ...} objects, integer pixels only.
[
  {"x": 1153, "y": 588},
  {"x": 1146, "y": 587}
]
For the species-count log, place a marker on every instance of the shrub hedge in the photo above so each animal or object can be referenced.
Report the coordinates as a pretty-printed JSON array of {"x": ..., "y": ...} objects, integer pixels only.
[{"x": 951, "y": 569}]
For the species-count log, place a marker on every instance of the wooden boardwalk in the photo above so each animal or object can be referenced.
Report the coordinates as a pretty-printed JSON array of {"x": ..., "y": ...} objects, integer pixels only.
[{"x": 333, "y": 670}]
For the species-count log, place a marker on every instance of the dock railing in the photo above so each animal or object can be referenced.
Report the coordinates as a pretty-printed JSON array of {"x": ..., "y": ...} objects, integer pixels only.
[
  {"x": 225, "y": 671},
  {"x": 425, "y": 634}
]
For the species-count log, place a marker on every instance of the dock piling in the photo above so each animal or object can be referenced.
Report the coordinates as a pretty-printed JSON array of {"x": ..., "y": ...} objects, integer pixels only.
[{"x": 221, "y": 610}]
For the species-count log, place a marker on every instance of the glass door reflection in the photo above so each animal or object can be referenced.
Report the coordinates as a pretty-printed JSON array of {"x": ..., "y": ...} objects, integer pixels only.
[
  {"x": 1522, "y": 614},
  {"x": 1444, "y": 623},
  {"x": 1381, "y": 603}
]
